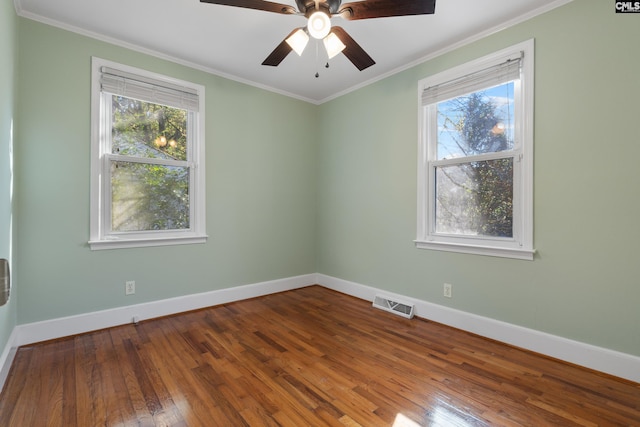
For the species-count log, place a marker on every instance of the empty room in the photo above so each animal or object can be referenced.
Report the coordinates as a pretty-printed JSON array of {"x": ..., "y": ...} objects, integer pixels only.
[{"x": 319, "y": 213}]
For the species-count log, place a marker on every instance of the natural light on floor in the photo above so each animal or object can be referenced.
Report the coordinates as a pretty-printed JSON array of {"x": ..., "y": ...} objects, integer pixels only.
[
  {"x": 402, "y": 421},
  {"x": 440, "y": 417}
]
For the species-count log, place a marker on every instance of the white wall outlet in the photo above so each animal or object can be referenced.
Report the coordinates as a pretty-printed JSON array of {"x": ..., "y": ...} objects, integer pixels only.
[
  {"x": 448, "y": 290},
  {"x": 129, "y": 287}
]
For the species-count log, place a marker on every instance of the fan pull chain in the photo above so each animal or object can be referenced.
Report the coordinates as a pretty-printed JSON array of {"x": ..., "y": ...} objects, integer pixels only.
[
  {"x": 317, "y": 73},
  {"x": 326, "y": 65}
]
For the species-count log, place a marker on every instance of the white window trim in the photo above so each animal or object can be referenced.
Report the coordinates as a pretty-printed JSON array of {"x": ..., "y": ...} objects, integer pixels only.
[
  {"x": 99, "y": 239},
  {"x": 521, "y": 246}
]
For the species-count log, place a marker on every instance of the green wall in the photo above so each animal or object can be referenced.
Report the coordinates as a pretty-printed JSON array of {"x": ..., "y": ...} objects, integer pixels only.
[
  {"x": 260, "y": 184},
  {"x": 344, "y": 204},
  {"x": 8, "y": 51},
  {"x": 584, "y": 283}
]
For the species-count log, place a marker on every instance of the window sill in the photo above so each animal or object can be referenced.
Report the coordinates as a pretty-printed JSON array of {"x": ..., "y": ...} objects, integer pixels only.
[
  {"x": 523, "y": 254},
  {"x": 141, "y": 243}
]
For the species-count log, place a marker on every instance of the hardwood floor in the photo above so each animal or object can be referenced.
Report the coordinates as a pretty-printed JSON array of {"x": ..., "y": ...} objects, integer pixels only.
[{"x": 308, "y": 357}]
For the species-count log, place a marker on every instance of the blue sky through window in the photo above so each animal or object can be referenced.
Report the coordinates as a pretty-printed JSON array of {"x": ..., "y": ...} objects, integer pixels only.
[{"x": 450, "y": 144}]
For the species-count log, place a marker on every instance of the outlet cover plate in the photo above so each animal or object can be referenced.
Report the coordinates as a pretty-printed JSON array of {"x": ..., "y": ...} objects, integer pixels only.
[
  {"x": 448, "y": 290},
  {"x": 130, "y": 287}
]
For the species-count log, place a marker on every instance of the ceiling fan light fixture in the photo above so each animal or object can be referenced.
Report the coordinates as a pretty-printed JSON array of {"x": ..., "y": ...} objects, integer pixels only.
[
  {"x": 298, "y": 41},
  {"x": 319, "y": 25},
  {"x": 333, "y": 45}
]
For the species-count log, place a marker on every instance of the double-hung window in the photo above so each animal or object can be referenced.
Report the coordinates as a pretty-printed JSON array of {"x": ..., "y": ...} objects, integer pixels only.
[
  {"x": 475, "y": 168},
  {"x": 147, "y": 170}
]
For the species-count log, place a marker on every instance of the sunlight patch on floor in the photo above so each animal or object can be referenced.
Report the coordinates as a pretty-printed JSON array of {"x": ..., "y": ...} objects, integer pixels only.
[{"x": 403, "y": 421}]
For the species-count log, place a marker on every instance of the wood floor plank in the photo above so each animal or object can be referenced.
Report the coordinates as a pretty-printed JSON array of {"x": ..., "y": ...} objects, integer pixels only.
[
  {"x": 22, "y": 415},
  {"x": 308, "y": 357}
]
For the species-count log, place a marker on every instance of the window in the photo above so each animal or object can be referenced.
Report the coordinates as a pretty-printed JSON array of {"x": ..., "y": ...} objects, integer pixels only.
[
  {"x": 475, "y": 169},
  {"x": 147, "y": 170}
]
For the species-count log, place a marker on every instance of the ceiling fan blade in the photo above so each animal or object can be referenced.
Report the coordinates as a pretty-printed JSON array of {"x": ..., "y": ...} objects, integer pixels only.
[
  {"x": 352, "y": 50},
  {"x": 280, "y": 52},
  {"x": 385, "y": 8},
  {"x": 257, "y": 5}
]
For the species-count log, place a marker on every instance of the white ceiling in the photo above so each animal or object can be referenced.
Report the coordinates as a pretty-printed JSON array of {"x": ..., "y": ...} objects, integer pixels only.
[{"x": 233, "y": 42}]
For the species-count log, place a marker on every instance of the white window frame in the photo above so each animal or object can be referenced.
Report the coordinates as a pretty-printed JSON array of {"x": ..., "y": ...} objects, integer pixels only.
[
  {"x": 520, "y": 246},
  {"x": 101, "y": 235}
]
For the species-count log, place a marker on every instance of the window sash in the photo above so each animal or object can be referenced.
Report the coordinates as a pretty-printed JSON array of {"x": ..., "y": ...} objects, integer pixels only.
[
  {"x": 109, "y": 158},
  {"x": 108, "y": 198},
  {"x": 505, "y": 71},
  {"x": 433, "y": 163},
  {"x": 473, "y": 238}
]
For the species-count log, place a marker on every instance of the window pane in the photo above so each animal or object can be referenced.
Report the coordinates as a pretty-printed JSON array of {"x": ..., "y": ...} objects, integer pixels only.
[
  {"x": 145, "y": 129},
  {"x": 149, "y": 197},
  {"x": 478, "y": 123},
  {"x": 475, "y": 199}
]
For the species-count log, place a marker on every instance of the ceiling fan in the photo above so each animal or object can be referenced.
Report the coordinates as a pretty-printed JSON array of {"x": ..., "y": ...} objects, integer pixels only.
[{"x": 319, "y": 14}]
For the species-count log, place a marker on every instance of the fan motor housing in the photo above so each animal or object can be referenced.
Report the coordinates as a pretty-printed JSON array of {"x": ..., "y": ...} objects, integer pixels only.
[
  {"x": 322, "y": 7},
  {"x": 327, "y": 6}
]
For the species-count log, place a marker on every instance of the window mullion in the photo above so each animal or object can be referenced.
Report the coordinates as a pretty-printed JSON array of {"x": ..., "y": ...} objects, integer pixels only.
[
  {"x": 477, "y": 158},
  {"x": 147, "y": 160}
]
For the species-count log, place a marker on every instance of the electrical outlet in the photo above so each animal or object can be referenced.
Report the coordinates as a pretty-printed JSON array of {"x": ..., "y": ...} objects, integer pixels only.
[
  {"x": 448, "y": 290},
  {"x": 130, "y": 287}
]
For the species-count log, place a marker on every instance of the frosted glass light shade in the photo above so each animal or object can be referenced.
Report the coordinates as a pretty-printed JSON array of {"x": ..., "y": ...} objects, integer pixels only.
[
  {"x": 333, "y": 45},
  {"x": 319, "y": 25},
  {"x": 298, "y": 41}
]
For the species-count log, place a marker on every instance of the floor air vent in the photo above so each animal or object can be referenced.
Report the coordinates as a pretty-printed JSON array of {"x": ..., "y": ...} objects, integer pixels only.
[{"x": 395, "y": 307}]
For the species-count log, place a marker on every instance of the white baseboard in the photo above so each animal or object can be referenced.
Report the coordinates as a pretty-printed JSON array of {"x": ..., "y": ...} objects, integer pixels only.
[
  {"x": 6, "y": 359},
  {"x": 30, "y": 333},
  {"x": 65, "y": 326},
  {"x": 600, "y": 359}
]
